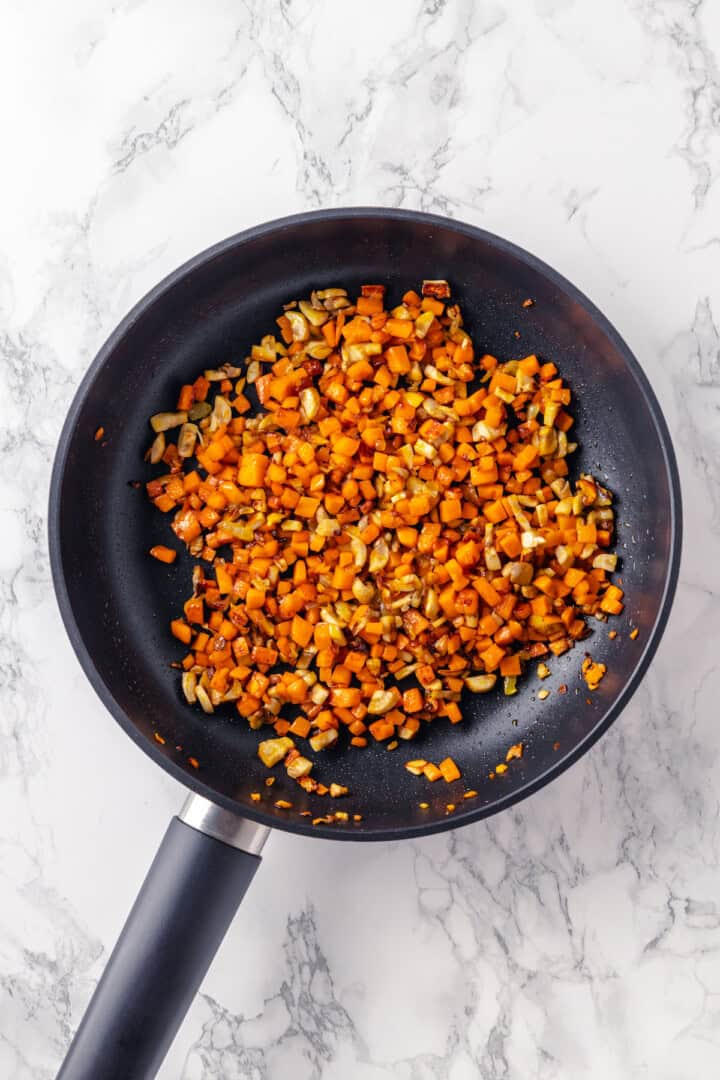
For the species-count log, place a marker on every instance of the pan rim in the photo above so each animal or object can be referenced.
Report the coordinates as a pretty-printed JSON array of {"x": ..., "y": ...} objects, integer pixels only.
[{"x": 366, "y": 832}]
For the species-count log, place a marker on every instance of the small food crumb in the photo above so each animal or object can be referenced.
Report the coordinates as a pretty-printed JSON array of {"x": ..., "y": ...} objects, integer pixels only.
[
  {"x": 283, "y": 804},
  {"x": 542, "y": 694},
  {"x": 99, "y": 434},
  {"x": 424, "y": 805},
  {"x": 159, "y": 738},
  {"x": 516, "y": 333},
  {"x": 357, "y": 817},
  {"x": 543, "y": 671},
  {"x": 612, "y": 635},
  {"x": 593, "y": 673},
  {"x": 336, "y": 790},
  {"x": 470, "y": 795},
  {"x": 255, "y": 796},
  {"x": 450, "y": 807},
  {"x": 194, "y": 762},
  {"x": 515, "y": 751},
  {"x": 556, "y": 746},
  {"x": 500, "y": 769},
  {"x": 270, "y": 781},
  {"x": 528, "y": 303},
  {"x": 393, "y": 745},
  {"x": 306, "y": 813},
  {"x": 634, "y": 633},
  {"x": 342, "y": 815},
  {"x": 562, "y": 689}
]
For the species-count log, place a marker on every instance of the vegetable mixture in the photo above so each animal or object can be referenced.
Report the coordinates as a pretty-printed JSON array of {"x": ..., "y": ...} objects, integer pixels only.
[{"x": 393, "y": 525}]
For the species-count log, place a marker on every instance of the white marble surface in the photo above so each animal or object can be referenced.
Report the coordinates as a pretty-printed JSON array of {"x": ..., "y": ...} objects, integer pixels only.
[{"x": 576, "y": 937}]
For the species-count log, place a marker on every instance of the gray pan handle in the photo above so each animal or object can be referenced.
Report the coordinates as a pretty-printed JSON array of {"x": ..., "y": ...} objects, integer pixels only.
[{"x": 205, "y": 863}]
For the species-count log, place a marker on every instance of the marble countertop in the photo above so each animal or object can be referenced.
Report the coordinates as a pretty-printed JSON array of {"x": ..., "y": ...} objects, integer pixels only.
[{"x": 576, "y": 937}]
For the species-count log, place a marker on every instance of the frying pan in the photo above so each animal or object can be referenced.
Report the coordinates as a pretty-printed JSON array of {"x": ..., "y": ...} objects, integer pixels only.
[{"x": 116, "y": 602}]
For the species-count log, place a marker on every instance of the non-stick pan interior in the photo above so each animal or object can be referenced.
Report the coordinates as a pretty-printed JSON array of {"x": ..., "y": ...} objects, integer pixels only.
[{"x": 117, "y": 601}]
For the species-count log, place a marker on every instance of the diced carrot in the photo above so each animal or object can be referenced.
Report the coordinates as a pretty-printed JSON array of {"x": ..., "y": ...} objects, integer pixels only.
[
  {"x": 502, "y": 381},
  {"x": 181, "y": 631},
  {"x": 400, "y": 328},
  {"x": 449, "y": 770},
  {"x": 252, "y": 470},
  {"x": 491, "y": 657},
  {"x": 495, "y": 511},
  {"x": 381, "y": 730},
  {"x": 163, "y": 554},
  {"x": 200, "y": 388},
  {"x": 302, "y": 631},
  {"x": 345, "y": 697},
  {"x": 510, "y": 665},
  {"x": 300, "y": 726},
  {"x": 413, "y": 700},
  {"x": 450, "y": 510},
  {"x": 487, "y": 591},
  {"x": 586, "y": 534},
  {"x": 453, "y": 713},
  {"x": 254, "y": 599},
  {"x": 526, "y": 458},
  {"x": 306, "y": 506},
  {"x": 343, "y": 577}
]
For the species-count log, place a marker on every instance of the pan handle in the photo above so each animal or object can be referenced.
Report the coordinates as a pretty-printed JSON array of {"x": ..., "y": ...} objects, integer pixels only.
[{"x": 205, "y": 863}]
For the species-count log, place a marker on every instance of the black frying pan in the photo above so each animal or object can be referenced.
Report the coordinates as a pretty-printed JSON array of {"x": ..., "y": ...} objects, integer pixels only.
[{"x": 116, "y": 602}]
